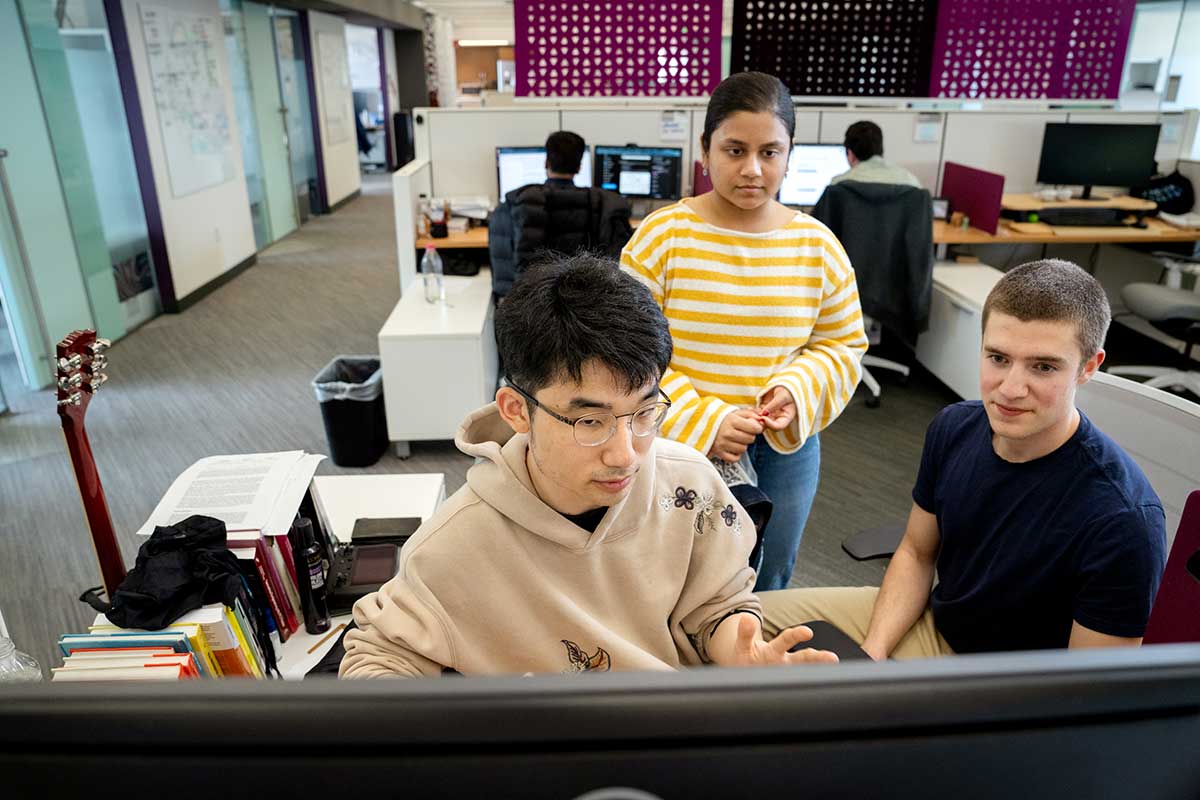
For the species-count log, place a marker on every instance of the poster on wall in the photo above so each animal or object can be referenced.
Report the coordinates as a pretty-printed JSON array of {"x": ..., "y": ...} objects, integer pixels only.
[
  {"x": 335, "y": 85},
  {"x": 182, "y": 51}
]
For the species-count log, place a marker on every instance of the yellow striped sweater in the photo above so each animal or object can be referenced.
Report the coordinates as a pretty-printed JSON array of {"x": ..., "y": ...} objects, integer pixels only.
[{"x": 748, "y": 312}]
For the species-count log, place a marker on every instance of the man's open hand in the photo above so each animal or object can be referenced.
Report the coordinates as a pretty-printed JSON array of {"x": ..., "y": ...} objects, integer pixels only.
[{"x": 751, "y": 651}]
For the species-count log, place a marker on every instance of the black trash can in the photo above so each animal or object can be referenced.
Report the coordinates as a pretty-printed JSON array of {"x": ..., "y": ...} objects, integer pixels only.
[{"x": 350, "y": 391}]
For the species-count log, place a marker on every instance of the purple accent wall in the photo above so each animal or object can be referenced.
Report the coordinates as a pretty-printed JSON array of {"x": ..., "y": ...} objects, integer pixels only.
[
  {"x": 585, "y": 48},
  {"x": 1055, "y": 49}
]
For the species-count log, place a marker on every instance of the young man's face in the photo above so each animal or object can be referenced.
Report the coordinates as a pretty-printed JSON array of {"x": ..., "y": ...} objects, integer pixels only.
[
  {"x": 570, "y": 477},
  {"x": 1027, "y": 378},
  {"x": 747, "y": 158}
]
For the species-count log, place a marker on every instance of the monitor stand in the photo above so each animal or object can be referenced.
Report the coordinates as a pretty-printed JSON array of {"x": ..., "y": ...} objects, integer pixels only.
[{"x": 1087, "y": 195}]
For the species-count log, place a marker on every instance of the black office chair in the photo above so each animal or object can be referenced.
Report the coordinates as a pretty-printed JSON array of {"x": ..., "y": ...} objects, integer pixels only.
[{"x": 887, "y": 231}]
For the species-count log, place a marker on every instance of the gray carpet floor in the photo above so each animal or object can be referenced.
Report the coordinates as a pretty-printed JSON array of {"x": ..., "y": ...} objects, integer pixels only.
[{"x": 233, "y": 374}]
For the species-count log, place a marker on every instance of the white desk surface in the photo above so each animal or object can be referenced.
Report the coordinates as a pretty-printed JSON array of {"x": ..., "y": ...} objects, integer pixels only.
[
  {"x": 343, "y": 499},
  {"x": 462, "y": 315},
  {"x": 969, "y": 283}
]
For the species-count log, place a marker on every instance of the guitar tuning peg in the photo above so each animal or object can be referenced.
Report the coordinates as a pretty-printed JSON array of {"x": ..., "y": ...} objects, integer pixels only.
[
  {"x": 98, "y": 380},
  {"x": 69, "y": 382},
  {"x": 75, "y": 399},
  {"x": 70, "y": 364},
  {"x": 99, "y": 362},
  {"x": 99, "y": 346}
]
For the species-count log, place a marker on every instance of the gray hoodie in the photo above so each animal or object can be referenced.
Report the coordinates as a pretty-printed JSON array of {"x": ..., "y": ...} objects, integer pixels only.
[{"x": 496, "y": 581}]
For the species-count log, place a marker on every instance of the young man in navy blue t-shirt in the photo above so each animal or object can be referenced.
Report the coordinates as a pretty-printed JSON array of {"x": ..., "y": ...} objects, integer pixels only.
[{"x": 1042, "y": 531}]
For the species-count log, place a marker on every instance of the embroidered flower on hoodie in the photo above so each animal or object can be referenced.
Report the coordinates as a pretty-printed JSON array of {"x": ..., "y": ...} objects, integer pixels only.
[
  {"x": 691, "y": 500},
  {"x": 731, "y": 519}
]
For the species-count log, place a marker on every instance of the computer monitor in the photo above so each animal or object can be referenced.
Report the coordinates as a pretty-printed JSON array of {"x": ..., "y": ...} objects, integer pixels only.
[
  {"x": 521, "y": 166},
  {"x": 1123, "y": 722},
  {"x": 1093, "y": 154},
  {"x": 651, "y": 172},
  {"x": 810, "y": 168}
]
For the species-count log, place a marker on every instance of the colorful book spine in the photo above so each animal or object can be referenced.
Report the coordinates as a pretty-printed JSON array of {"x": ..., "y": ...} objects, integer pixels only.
[{"x": 242, "y": 648}]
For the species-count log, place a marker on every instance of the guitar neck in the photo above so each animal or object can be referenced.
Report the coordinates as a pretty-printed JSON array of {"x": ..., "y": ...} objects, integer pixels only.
[{"x": 104, "y": 538}]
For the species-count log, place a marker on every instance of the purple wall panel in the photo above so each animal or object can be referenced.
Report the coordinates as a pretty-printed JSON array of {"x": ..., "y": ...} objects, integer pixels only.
[
  {"x": 617, "y": 47},
  {"x": 1030, "y": 48}
]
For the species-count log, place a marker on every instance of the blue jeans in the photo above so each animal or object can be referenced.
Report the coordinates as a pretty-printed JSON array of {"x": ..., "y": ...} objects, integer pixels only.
[{"x": 791, "y": 483}]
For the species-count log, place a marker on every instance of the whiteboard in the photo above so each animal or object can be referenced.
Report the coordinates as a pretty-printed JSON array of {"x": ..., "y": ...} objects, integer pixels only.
[
  {"x": 335, "y": 85},
  {"x": 182, "y": 51}
]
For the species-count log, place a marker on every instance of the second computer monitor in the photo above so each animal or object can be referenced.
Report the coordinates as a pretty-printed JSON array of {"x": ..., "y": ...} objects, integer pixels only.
[
  {"x": 651, "y": 172},
  {"x": 1092, "y": 154},
  {"x": 520, "y": 166},
  {"x": 810, "y": 168}
]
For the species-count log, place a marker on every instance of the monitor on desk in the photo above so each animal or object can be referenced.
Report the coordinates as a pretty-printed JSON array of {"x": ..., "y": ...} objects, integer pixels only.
[
  {"x": 1093, "y": 154},
  {"x": 650, "y": 172},
  {"x": 1122, "y": 722},
  {"x": 521, "y": 166},
  {"x": 810, "y": 169}
]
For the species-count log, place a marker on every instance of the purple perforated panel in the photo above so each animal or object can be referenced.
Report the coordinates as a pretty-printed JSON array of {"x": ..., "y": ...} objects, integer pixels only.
[
  {"x": 617, "y": 47},
  {"x": 1030, "y": 48}
]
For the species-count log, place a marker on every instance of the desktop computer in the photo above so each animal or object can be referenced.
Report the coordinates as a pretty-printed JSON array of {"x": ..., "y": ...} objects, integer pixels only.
[
  {"x": 810, "y": 168},
  {"x": 521, "y": 166},
  {"x": 1089, "y": 154},
  {"x": 642, "y": 172}
]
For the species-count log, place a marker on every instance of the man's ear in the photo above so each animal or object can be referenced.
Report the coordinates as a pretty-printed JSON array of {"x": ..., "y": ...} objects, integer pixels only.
[
  {"x": 513, "y": 409},
  {"x": 1089, "y": 368}
]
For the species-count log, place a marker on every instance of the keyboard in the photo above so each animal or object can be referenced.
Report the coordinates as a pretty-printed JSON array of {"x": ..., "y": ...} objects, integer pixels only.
[{"x": 1087, "y": 216}]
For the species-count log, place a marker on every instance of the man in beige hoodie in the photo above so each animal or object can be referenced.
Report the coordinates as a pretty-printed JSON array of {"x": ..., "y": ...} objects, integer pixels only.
[{"x": 581, "y": 541}]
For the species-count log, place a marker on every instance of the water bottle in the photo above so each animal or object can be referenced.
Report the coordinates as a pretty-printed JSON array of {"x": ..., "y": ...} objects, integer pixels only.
[
  {"x": 15, "y": 666},
  {"x": 310, "y": 574},
  {"x": 431, "y": 271}
]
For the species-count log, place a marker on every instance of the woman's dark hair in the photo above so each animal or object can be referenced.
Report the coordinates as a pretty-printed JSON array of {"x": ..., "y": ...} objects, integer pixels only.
[
  {"x": 570, "y": 310},
  {"x": 748, "y": 91}
]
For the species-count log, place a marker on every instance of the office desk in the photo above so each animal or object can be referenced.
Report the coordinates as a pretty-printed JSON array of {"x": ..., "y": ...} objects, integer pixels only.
[
  {"x": 471, "y": 239},
  {"x": 1039, "y": 233}
]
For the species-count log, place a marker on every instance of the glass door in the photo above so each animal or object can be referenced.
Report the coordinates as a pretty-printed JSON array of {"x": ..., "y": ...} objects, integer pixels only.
[
  {"x": 296, "y": 111},
  {"x": 24, "y": 345}
]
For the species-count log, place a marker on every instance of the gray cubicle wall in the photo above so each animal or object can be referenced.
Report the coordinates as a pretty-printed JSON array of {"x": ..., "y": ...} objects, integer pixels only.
[{"x": 460, "y": 143}]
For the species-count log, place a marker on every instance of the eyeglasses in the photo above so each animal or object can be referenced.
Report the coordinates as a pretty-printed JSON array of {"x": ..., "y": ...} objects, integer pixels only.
[{"x": 593, "y": 430}]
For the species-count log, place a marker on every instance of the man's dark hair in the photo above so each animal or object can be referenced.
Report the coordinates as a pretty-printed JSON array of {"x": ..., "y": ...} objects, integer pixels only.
[
  {"x": 864, "y": 139},
  {"x": 567, "y": 311},
  {"x": 1053, "y": 290},
  {"x": 748, "y": 91},
  {"x": 564, "y": 152}
]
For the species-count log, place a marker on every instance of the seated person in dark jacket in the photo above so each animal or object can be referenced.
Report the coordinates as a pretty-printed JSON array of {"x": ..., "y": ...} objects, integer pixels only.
[{"x": 556, "y": 216}]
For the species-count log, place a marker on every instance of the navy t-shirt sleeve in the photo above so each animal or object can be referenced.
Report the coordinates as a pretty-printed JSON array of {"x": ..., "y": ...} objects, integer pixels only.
[
  {"x": 1120, "y": 570},
  {"x": 931, "y": 459}
]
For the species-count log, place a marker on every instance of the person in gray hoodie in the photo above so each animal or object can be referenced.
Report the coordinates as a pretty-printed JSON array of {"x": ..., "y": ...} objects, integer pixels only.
[{"x": 581, "y": 541}]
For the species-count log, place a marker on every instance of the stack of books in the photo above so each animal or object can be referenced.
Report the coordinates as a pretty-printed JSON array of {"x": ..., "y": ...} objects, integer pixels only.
[{"x": 209, "y": 642}]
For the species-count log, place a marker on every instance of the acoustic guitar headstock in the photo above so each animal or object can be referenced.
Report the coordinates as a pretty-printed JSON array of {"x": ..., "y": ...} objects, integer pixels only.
[{"x": 79, "y": 372}]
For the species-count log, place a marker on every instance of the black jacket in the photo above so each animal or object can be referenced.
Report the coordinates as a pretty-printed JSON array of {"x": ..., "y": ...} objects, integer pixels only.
[
  {"x": 887, "y": 231},
  {"x": 558, "y": 217}
]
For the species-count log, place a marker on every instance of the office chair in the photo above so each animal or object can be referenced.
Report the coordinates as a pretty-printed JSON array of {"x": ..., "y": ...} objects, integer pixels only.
[
  {"x": 1175, "y": 615},
  {"x": 887, "y": 232},
  {"x": 1174, "y": 311}
]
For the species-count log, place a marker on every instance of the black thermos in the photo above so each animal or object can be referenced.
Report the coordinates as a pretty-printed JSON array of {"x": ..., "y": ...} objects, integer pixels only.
[{"x": 310, "y": 574}]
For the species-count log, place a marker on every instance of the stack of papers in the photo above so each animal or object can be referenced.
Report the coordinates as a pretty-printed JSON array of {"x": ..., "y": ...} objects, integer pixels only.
[
  {"x": 1188, "y": 220},
  {"x": 250, "y": 492},
  {"x": 473, "y": 207}
]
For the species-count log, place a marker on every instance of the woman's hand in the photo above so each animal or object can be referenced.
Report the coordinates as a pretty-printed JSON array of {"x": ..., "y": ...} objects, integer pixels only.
[
  {"x": 778, "y": 408},
  {"x": 735, "y": 434}
]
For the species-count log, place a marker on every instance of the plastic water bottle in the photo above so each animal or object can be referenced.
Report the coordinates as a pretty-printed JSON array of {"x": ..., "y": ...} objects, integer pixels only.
[
  {"x": 431, "y": 271},
  {"x": 15, "y": 666}
]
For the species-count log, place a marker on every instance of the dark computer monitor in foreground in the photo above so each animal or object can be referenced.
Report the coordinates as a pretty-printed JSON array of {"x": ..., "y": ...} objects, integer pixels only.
[
  {"x": 521, "y": 166},
  {"x": 650, "y": 172},
  {"x": 1087, "y": 155},
  {"x": 1080, "y": 724},
  {"x": 810, "y": 168}
]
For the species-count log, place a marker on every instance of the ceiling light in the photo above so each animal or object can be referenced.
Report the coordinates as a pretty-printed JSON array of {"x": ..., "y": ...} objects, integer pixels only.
[{"x": 483, "y": 43}]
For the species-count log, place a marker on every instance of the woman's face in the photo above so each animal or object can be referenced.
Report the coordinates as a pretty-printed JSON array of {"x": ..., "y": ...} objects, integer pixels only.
[{"x": 747, "y": 158}]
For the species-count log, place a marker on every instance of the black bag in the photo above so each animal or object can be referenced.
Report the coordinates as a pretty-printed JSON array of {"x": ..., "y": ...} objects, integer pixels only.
[
  {"x": 1173, "y": 193},
  {"x": 180, "y": 568}
]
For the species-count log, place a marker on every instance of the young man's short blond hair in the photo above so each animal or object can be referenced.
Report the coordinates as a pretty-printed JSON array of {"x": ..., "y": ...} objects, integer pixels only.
[{"x": 1053, "y": 290}]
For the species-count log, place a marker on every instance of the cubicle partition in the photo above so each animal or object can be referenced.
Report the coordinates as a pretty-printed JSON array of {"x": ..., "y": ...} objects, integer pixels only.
[
  {"x": 408, "y": 184},
  {"x": 460, "y": 143}
]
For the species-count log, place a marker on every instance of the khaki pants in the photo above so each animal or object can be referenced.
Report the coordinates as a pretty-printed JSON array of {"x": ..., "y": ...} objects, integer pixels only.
[{"x": 849, "y": 608}]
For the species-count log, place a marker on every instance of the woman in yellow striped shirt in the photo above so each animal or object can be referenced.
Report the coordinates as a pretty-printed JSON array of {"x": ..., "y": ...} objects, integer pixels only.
[{"x": 763, "y": 309}]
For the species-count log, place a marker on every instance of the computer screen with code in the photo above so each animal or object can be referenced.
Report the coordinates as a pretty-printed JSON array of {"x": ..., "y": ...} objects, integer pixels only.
[{"x": 652, "y": 172}]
